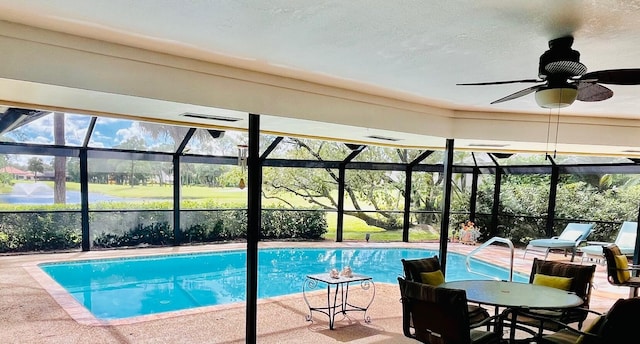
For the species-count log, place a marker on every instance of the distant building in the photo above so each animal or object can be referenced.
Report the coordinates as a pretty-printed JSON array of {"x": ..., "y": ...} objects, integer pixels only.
[
  {"x": 18, "y": 173},
  {"x": 46, "y": 175}
]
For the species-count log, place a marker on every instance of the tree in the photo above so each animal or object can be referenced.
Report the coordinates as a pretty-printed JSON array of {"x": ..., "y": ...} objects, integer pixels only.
[
  {"x": 203, "y": 138},
  {"x": 36, "y": 165},
  {"x": 364, "y": 190},
  {"x": 73, "y": 170},
  {"x": 5, "y": 177},
  {"x": 59, "y": 162},
  {"x": 206, "y": 140},
  {"x": 209, "y": 174},
  {"x": 133, "y": 168}
]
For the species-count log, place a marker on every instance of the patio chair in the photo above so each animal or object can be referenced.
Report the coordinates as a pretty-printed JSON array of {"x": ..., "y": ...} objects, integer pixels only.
[
  {"x": 427, "y": 270},
  {"x": 571, "y": 277},
  {"x": 611, "y": 327},
  {"x": 440, "y": 316},
  {"x": 625, "y": 239},
  {"x": 570, "y": 238},
  {"x": 619, "y": 271}
]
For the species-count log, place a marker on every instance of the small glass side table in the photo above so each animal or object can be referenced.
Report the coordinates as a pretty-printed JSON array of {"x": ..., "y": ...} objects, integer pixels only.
[{"x": 341, "y": 289}]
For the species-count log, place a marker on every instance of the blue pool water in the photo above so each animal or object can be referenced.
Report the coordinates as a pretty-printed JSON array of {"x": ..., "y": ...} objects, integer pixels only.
[{"x": 129, "y": 287}]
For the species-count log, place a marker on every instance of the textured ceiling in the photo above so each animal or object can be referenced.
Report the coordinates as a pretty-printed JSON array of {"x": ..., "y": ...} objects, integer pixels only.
[{"x": 413, "y": 52}]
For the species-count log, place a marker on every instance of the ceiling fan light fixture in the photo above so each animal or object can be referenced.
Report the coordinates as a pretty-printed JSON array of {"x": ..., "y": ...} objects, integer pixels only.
[
  {"x": 551, "y": 98},
  {"x": 563, "y": 77}
]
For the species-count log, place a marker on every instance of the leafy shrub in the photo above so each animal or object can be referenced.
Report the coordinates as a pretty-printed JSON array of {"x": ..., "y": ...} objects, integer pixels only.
[
  {"x": 4, "y": 242},
  {"x": 202, "y": 226},
  {"x": 39, "y": 231},
  {"x": 156, "y": 234},
  {"x": 524, "y": 201},
  {"x": 282, "y": 224}
]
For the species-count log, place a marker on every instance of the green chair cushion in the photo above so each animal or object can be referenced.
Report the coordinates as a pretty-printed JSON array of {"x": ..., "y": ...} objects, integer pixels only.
[
  {"x": 434, "y": 278},
  {"x": 622, "y": 265},
  {"x": 592, "y": 328},
  {"x": 557, "y": 282}
]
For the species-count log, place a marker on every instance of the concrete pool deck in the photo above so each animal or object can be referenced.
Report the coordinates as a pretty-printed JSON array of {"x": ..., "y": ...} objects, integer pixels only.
[{"x": 29, "y": 313}]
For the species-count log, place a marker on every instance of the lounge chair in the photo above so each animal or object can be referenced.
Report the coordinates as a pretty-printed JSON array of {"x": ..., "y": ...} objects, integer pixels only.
[
  {"x": 619, "y": 271},
  {"x": 573, "y": 278},
  {"x": 625, "y": 239},
  {"x": 440, "y": 315},
  {"x": 569, "y": 239}
]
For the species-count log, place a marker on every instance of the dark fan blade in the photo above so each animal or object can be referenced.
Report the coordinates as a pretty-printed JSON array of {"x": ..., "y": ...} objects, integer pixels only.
[
  {"x": 518, "y": 94},
  {"x": 592, "y": 92},
  {"x": 614, "y": 76},
  {"x": 501, "y": 82}
]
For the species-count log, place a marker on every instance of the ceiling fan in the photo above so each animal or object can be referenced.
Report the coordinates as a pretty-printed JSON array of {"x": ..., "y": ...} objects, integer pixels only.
[{"x": 562, "y": 78}]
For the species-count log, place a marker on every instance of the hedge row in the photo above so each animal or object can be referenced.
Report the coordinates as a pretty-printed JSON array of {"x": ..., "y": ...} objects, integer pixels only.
[
  {"x": 56, "y": 231},
  {"x": 28, "y": 232}
]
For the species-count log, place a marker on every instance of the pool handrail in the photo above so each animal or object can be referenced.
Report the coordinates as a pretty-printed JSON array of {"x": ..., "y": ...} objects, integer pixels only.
[{"x": 485, "y": 244}]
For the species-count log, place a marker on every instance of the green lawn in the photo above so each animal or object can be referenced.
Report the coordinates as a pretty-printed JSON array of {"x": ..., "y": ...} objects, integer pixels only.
[
  {"x": 354, "y": 228},
  {"x": 190, "y": 193}
]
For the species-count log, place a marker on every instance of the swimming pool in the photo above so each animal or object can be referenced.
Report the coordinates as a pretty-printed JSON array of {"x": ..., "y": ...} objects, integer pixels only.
[{"x": 130, "y": 287}]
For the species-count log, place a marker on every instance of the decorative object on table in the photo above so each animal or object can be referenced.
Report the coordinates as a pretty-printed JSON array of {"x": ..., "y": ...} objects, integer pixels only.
[
  {"x": 469, "y": 233},
  {"x": 334, "y": 273},
  {"x": 347, "y": 272}
]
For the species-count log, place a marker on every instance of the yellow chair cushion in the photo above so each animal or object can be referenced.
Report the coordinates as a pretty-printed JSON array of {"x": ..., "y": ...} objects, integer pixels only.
[
  {"x": 558, "y": 282},
  {"x": 592, "y": 328},
  {"x": 434, "y": 278},
  {"x": 622, "y": 265}
]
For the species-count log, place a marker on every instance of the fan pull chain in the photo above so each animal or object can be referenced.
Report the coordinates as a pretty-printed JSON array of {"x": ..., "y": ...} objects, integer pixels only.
[
  {"x": 546, "y": 149},
  {"x": 555, "y": 148}
]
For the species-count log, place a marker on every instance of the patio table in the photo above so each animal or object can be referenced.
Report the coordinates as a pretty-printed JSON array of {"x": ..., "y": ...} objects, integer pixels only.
[
  {"x": 334, "y": 304},
  {"x": 515, "y": 296}
]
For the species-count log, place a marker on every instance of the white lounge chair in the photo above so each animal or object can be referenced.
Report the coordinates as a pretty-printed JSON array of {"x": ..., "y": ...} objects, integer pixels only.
[
  {"x": 569, "y": 239},
  {"x": 626, "y": 241}
]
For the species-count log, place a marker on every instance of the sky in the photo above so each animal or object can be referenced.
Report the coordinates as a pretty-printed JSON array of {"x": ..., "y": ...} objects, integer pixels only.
[{"x": 107, "y": 133}]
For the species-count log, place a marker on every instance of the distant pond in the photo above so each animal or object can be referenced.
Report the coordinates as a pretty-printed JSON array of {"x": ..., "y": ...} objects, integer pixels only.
[{"x": 41, "y": 193}]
